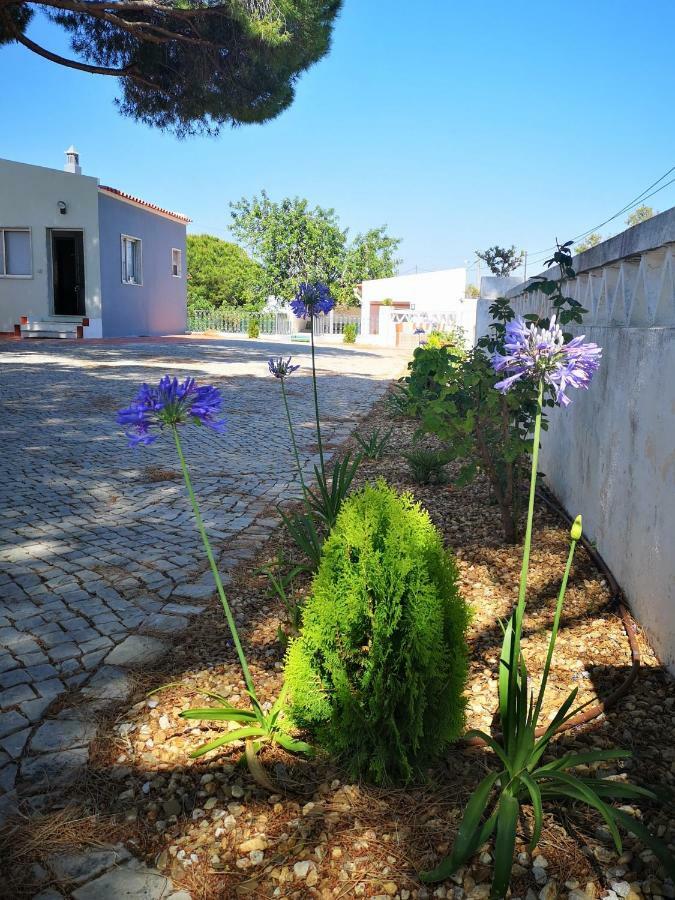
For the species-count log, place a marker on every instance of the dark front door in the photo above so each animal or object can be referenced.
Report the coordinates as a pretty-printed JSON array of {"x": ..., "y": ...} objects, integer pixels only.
[{"x": 68, "y": 273}]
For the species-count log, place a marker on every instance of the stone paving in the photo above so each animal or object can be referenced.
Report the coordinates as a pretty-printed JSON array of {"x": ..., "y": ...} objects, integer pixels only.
[{"x": 99, "y": 558}]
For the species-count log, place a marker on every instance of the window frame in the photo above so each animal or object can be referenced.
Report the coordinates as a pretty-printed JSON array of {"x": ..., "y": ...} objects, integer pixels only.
[
  {"x": 23, "y": 229},
  {"x": 139, "y": 259},
  {"x": 178, "y": 274}
]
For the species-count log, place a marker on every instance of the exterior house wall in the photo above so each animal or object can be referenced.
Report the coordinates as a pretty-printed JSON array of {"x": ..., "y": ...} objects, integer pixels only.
[
  {"x": 609, "y": 456},
  {"x": 430, "y": 294},
  {"x": 28, "y": 198},
  {"x": 158, "y": 305}
]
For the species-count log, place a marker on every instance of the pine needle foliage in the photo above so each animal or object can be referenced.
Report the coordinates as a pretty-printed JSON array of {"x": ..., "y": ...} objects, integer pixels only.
[{"x": 378, "y": 671}]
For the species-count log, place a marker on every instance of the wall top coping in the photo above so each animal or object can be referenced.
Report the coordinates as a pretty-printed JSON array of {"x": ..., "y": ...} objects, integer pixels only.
[{"x": 650, "y": 235}]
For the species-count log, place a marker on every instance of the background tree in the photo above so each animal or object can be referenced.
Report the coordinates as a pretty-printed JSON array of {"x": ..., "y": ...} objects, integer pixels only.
[
  {"x": 291, "y": 241},
  {"x": 472, "y": 291},
  {"x": 294, "y": 242},
  {"x": 219, "y": 274},
  {"x": 189, "y": 66},
  {"x": 370, "y": 255},
  {"x": 501, "y": 260},
  {"x": 641, "y": 214},
  {"x": 592, "y": 240}
]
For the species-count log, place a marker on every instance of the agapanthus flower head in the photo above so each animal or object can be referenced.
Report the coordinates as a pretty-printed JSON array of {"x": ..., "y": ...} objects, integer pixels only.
[
  {"x": 419, "y": 330},
  {"x": 312, "y": 300},
  {"x": 280, "y": 367},
  {"x": 171, "y": 404},
  {"x": 536, "y": 353}
]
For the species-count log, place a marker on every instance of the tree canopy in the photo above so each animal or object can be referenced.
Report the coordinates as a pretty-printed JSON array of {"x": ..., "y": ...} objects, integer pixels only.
[
  {"x": 641, "y": 214},
  {"x": 501, "y": 260},
  {"x": 187, "y": 65},
  {"x": 593, "y": 239},
  {"x": 295, "y": 242},
  {"x": 219, "y": 273}
]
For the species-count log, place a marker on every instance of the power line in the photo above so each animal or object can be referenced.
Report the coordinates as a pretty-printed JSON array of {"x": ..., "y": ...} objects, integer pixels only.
[{"x": 536, "y": 256}]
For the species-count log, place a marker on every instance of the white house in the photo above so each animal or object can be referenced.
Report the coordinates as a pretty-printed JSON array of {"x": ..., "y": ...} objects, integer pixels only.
[
  {"x": 393, "y": 308},
  {"x": 78, "y": 258}
]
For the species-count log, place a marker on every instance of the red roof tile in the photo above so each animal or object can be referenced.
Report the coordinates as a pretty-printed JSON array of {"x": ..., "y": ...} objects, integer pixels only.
[{"x": 167, "y": 212}]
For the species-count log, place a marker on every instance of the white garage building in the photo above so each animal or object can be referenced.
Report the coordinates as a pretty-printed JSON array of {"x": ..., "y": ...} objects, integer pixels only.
[{"x": 393, "y": 308}]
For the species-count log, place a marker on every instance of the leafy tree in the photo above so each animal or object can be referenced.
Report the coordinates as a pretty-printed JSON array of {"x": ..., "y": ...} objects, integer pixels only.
[
  {"x": 641, "y": 214},
  {"x": 501, "y": 260},
  {"x": 472, "y": 291},
  {"x": 592, "y": 240},
  {"x": 291, "y": 241},
  {"x": 294, "y": 242},
  {"x": 370, "y": 255},
  {"x": 219, "y": 273},
  {"x": 187, "y": 66}
]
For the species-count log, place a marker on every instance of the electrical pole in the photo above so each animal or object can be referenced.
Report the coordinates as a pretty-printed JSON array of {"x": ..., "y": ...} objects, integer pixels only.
[{"x": 525, "y": 278}]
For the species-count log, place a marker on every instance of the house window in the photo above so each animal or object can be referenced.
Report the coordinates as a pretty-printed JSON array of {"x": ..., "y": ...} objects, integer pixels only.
[
  {"x": 16, "y": 258},
  {"x": 132, "y": 262},
  {"x": 176, "y": 263}
]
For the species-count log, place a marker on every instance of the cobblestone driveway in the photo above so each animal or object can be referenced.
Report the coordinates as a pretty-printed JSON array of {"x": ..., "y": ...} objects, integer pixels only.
[{"x": 97, "y": 544}]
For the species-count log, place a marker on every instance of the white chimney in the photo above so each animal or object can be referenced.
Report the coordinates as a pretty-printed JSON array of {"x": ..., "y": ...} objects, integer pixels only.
[{"x": 72, "y": 161}]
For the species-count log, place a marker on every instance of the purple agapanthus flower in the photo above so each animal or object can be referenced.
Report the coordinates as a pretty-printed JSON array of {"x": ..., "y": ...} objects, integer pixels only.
[
  {"x": 170, "y": 404},
  {"x": 312, "y": 300},
  {"x": 533, "y": 353},
  {"x": 280, "y": 367}
]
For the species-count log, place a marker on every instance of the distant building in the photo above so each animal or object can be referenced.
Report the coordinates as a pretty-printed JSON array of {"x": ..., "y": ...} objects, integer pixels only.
[
  {"x": 392, "y": 309},
  {"x": 78, "y": 258}
]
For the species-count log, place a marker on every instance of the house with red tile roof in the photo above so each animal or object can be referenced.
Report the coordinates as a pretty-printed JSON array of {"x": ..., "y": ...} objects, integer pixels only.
[{"x": 82, "y": 259}]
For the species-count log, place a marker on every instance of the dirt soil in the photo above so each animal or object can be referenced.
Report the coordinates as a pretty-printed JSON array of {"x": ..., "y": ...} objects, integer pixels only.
[{"x": 209, "y": 826}]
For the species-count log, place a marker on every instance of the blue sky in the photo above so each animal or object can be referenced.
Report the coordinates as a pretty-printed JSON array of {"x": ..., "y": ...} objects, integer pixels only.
[{"x": 459, "y": 125}]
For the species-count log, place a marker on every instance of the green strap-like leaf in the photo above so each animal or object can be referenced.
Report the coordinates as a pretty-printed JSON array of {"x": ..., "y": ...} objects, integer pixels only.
[
  {"x": 505, "y": 842},
  {"x": 293, "y": 745},
  {"x": 604, "y": 787},
  {"x": 583, "y": 759},
  {"x": 535, "y": 795},
  {"x": 216, "y": 714},
  {"x": 493, "y": 745},
  {"x": 469, "y": 831},
  {"x": 586, "y": 794},
  {"x": 238, "y": 735},
  {"x": 655, "y": 845}
]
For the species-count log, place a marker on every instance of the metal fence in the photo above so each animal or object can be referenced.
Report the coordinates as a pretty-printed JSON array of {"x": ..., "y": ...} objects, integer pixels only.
[
  {"x": 237, "y": 322},
  {"x": 334, "y": 323}
]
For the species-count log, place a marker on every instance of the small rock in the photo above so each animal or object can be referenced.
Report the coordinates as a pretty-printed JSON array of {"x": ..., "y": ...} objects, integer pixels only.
[
  {"x": 549, "y": 891},
  {"x": 622, "y": 888},
  {"x": 254, "y": 843},
  {"x": 301, "y": 869}
]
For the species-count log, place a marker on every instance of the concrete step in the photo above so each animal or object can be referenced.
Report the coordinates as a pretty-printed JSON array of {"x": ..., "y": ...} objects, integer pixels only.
[
  {"x": 37, "y": 335},
  {"x": 51, "y": 328}
]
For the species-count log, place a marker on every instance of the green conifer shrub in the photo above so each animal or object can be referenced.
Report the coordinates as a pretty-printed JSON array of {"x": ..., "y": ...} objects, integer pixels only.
[{"x": 378, "y": 670}]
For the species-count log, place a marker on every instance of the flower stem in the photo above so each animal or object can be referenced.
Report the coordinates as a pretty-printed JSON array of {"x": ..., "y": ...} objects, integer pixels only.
[
  {"x": 514, "y": 655},
  {"x": 554, "y": 632},
  {"x": 216, "y": 575},
  {"x": 295, "y": 446},
  {"x": 316, "y": 400}
]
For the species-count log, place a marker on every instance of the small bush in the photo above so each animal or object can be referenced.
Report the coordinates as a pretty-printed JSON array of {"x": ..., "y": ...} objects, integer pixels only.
[
  {"x": 378, "y": 670},
  {"x": 253, "y": 328},
  {"x": 427, "y": 466},
  {"x": 453, "y": 339},
  {"x": 349, "y": 333}
]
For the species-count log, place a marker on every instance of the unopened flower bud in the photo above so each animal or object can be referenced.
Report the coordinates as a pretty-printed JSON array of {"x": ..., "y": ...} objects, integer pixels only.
[{"x": 575, "y": 531}]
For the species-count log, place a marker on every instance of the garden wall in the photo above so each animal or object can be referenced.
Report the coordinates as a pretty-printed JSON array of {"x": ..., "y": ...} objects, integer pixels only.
[{"x": 611, "y": 454}]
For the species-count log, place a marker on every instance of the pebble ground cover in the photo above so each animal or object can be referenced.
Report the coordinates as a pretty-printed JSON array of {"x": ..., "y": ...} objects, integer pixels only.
[{"x": 216, "y": 834}]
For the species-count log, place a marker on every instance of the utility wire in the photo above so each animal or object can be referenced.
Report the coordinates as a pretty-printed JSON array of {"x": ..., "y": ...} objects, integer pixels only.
[{"x": 538, "y": 255}]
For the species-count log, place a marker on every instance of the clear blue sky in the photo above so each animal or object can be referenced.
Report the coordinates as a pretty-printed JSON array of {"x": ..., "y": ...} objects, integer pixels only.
[{"x": 459, "y": 125}]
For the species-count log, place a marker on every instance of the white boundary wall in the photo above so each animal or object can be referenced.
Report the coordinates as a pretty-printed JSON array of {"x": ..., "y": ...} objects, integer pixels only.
[{"x": 611, "y": 454}]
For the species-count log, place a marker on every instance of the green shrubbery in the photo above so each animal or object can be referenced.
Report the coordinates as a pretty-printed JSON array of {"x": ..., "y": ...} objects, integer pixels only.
[
  {"x": 349, "y": 333},
  {"x": 253, "y": 328},
  {"x": 378, "y": 671}
]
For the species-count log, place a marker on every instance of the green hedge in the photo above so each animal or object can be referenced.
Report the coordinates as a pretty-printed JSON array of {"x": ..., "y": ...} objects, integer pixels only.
[{"x": 378, "y": 671}]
